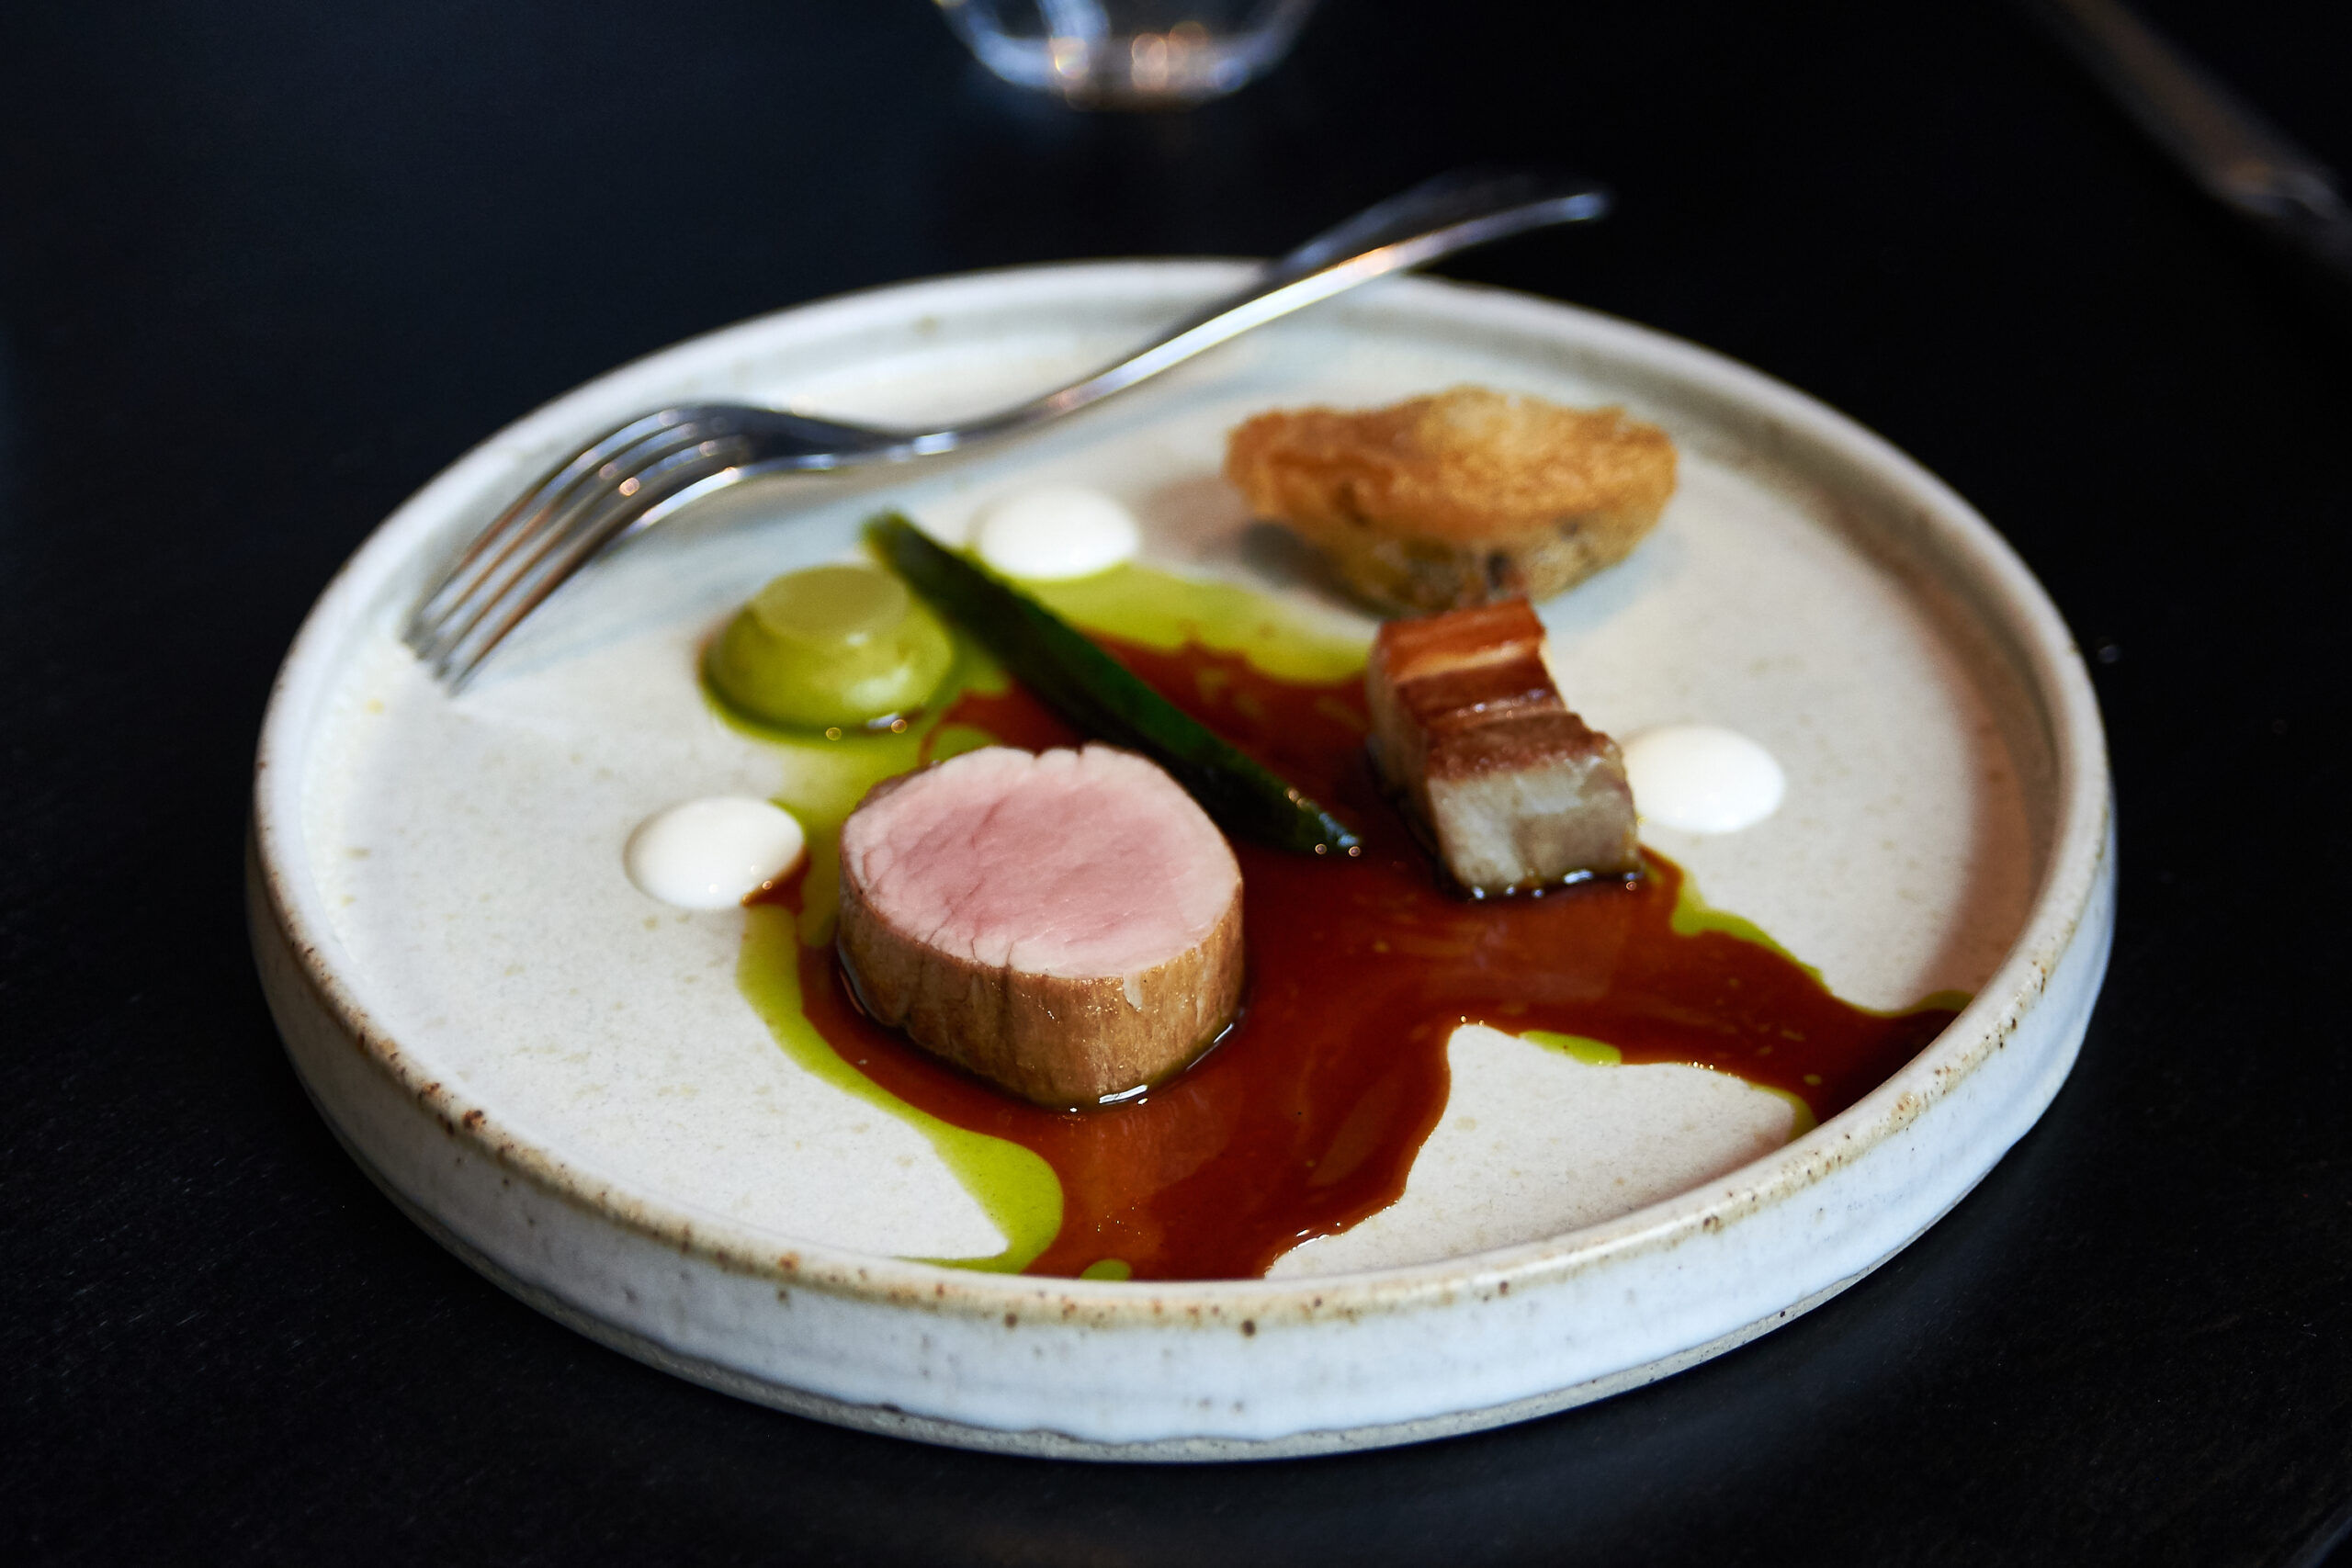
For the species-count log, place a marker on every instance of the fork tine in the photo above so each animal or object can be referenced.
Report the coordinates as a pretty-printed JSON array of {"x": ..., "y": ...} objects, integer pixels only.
[
  {"x": 589, "y": 532},
  {"x": 492, "y": 553},
  {"x": 545, "y": 542},
  {"x": 525, "y": 536},
  {"x": 588, "y": 535},
  {"x": 492, "y": 546}
]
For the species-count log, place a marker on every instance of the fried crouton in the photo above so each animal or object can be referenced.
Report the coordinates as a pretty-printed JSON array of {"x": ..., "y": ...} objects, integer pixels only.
[{"x": 1463, "y": 498}]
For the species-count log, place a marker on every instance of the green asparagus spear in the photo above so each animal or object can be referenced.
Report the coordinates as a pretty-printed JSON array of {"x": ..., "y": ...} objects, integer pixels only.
[{"x": 1100, "y": 696}]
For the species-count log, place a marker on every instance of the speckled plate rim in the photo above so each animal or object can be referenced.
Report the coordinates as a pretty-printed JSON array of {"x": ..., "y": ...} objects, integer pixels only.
[{"x": 2067, "y": 928}]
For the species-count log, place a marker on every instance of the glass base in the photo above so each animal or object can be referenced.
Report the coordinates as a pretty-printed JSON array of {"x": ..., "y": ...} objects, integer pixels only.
[{"x": 1075, "y": 51}]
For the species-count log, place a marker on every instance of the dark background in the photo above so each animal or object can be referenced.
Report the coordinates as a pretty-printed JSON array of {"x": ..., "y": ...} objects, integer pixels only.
[{"x": 267, "y": 264}]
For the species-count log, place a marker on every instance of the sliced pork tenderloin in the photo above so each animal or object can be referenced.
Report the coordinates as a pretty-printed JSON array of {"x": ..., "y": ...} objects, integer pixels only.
[{"x": 1065, "y": 924}]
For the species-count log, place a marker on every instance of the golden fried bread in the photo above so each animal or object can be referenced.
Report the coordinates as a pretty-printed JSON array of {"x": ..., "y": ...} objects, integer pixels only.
[{"x": 1463, "y": 498}]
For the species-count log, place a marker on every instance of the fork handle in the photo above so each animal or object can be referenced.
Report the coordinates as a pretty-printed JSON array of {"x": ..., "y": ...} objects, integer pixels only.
[
  {"x": 1436, "y": 219},
  {"x": 2242, "y": 161}
]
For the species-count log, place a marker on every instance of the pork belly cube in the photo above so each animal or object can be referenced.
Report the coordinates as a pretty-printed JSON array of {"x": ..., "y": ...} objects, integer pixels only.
[{"x": 1516, "y": 791}]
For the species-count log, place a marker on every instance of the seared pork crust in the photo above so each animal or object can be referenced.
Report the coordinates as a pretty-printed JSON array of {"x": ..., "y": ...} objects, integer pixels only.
[{"x": 1055, "y": 1041}]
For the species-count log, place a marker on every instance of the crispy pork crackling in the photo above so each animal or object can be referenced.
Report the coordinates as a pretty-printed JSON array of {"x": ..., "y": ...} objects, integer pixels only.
[
  {"x": 1468, "y": 725},
  {"x": 1066, "y": 924},
  {"x": 1465, "y": 498}
]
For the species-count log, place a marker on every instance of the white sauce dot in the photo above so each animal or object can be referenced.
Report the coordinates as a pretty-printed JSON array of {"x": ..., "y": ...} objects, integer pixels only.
[
  {"x": 712, "y": 854},
  {"x": 1701, "y": 779},
  {"x": 1057, "y": 531}
]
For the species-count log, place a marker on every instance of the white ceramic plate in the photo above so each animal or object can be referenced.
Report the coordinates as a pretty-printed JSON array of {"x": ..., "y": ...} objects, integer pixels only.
[{"x": 559, "y": 1079}]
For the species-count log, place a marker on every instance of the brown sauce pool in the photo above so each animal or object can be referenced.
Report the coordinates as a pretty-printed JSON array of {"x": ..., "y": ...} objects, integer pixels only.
[{"x": 1306, "y": 1116}]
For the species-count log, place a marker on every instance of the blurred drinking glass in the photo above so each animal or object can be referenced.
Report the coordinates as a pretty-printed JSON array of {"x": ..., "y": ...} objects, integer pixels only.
[{"x": 1129, "y": 53}]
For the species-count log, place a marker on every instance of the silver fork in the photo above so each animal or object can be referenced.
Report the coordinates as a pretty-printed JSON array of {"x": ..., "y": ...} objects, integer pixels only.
[{"x": 629, "y": 479}]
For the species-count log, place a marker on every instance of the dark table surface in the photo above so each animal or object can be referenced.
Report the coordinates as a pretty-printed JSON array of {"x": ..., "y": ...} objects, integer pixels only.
[{"x": 267, "y": 264}]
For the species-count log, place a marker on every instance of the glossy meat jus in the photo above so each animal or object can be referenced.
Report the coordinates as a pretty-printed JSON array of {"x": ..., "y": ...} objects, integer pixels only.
[{"x": 1305, "y": 1118}]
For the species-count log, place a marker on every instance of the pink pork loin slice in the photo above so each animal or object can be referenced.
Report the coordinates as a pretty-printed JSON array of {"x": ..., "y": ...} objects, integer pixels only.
[{"x": 1066, "y": 924}]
